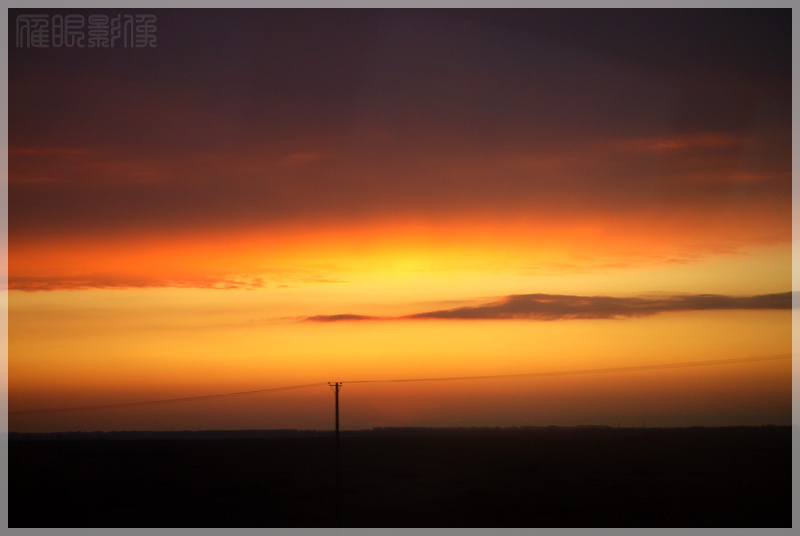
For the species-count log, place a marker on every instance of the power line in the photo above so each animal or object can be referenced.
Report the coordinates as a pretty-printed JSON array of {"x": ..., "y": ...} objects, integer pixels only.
[
  {"x": 165, "y": 401},
  {"x": 686, "y": 364},
  {"x": 662, "y": 366}
]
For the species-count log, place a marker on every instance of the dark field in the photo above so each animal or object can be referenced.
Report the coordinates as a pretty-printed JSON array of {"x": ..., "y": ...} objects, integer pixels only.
[{"x": 539, "y": 477}]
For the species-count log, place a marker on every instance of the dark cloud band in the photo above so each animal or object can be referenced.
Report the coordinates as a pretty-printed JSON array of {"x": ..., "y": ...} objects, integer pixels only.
[{"x": 563, "y": 307}]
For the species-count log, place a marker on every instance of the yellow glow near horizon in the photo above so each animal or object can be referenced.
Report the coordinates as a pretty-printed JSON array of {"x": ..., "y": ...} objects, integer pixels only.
[
  {"x": 292, "y": 253},
  {"x": 197, "y": 348},
  {"x": 74, "y": 347}
]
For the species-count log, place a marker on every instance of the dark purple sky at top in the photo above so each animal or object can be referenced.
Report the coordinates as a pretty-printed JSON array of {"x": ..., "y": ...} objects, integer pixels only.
[{"x": 242, "y": 116}]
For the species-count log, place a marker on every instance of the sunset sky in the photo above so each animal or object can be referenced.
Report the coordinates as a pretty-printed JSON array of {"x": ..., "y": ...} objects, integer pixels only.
[{"x": 287, "y": 197}]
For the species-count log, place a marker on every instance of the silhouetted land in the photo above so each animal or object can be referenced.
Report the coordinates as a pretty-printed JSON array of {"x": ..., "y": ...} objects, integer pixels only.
[{"x": 511, "y": 477}]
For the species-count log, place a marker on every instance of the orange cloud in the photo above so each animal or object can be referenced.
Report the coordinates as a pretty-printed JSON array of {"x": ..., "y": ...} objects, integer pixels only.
[
  {"x": 300, "y": 158},
  {"x": 701, "y": 140},
  {"x": 122, "y": 281},
  {"x": 47, "y": 151},
  {"x": 38, "y": 165},
  {"x": 324, "y": 249}
]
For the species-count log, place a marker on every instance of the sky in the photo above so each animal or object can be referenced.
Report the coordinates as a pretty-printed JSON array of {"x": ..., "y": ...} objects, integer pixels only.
[{"x": 277, "y": 198}]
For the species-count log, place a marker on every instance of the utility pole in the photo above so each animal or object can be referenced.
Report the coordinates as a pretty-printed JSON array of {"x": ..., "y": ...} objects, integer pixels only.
[{"x": 336, "y": 386}]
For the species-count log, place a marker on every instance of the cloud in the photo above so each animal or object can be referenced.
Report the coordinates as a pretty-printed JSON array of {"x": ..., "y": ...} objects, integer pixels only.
[
  {"x": 112, "y": 281},
  {"x": 341, "y": 318},
  {"x": 565, "y": 307},
  {"x": 505, "y": 131},
  {"x": 683, "y": 142},
  {"x": 286, "y": 278},
  {"x": 47, "y": 151},
  {"x": 301, "y": 158},
  {"x": 83, "y": 167}
]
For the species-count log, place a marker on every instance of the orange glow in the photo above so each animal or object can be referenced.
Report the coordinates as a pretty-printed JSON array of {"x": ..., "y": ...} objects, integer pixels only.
[
  {"x": 235, "y": 257},
  {"x": 116, "y": 350},
  {"x": 402, "y": 196}
]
